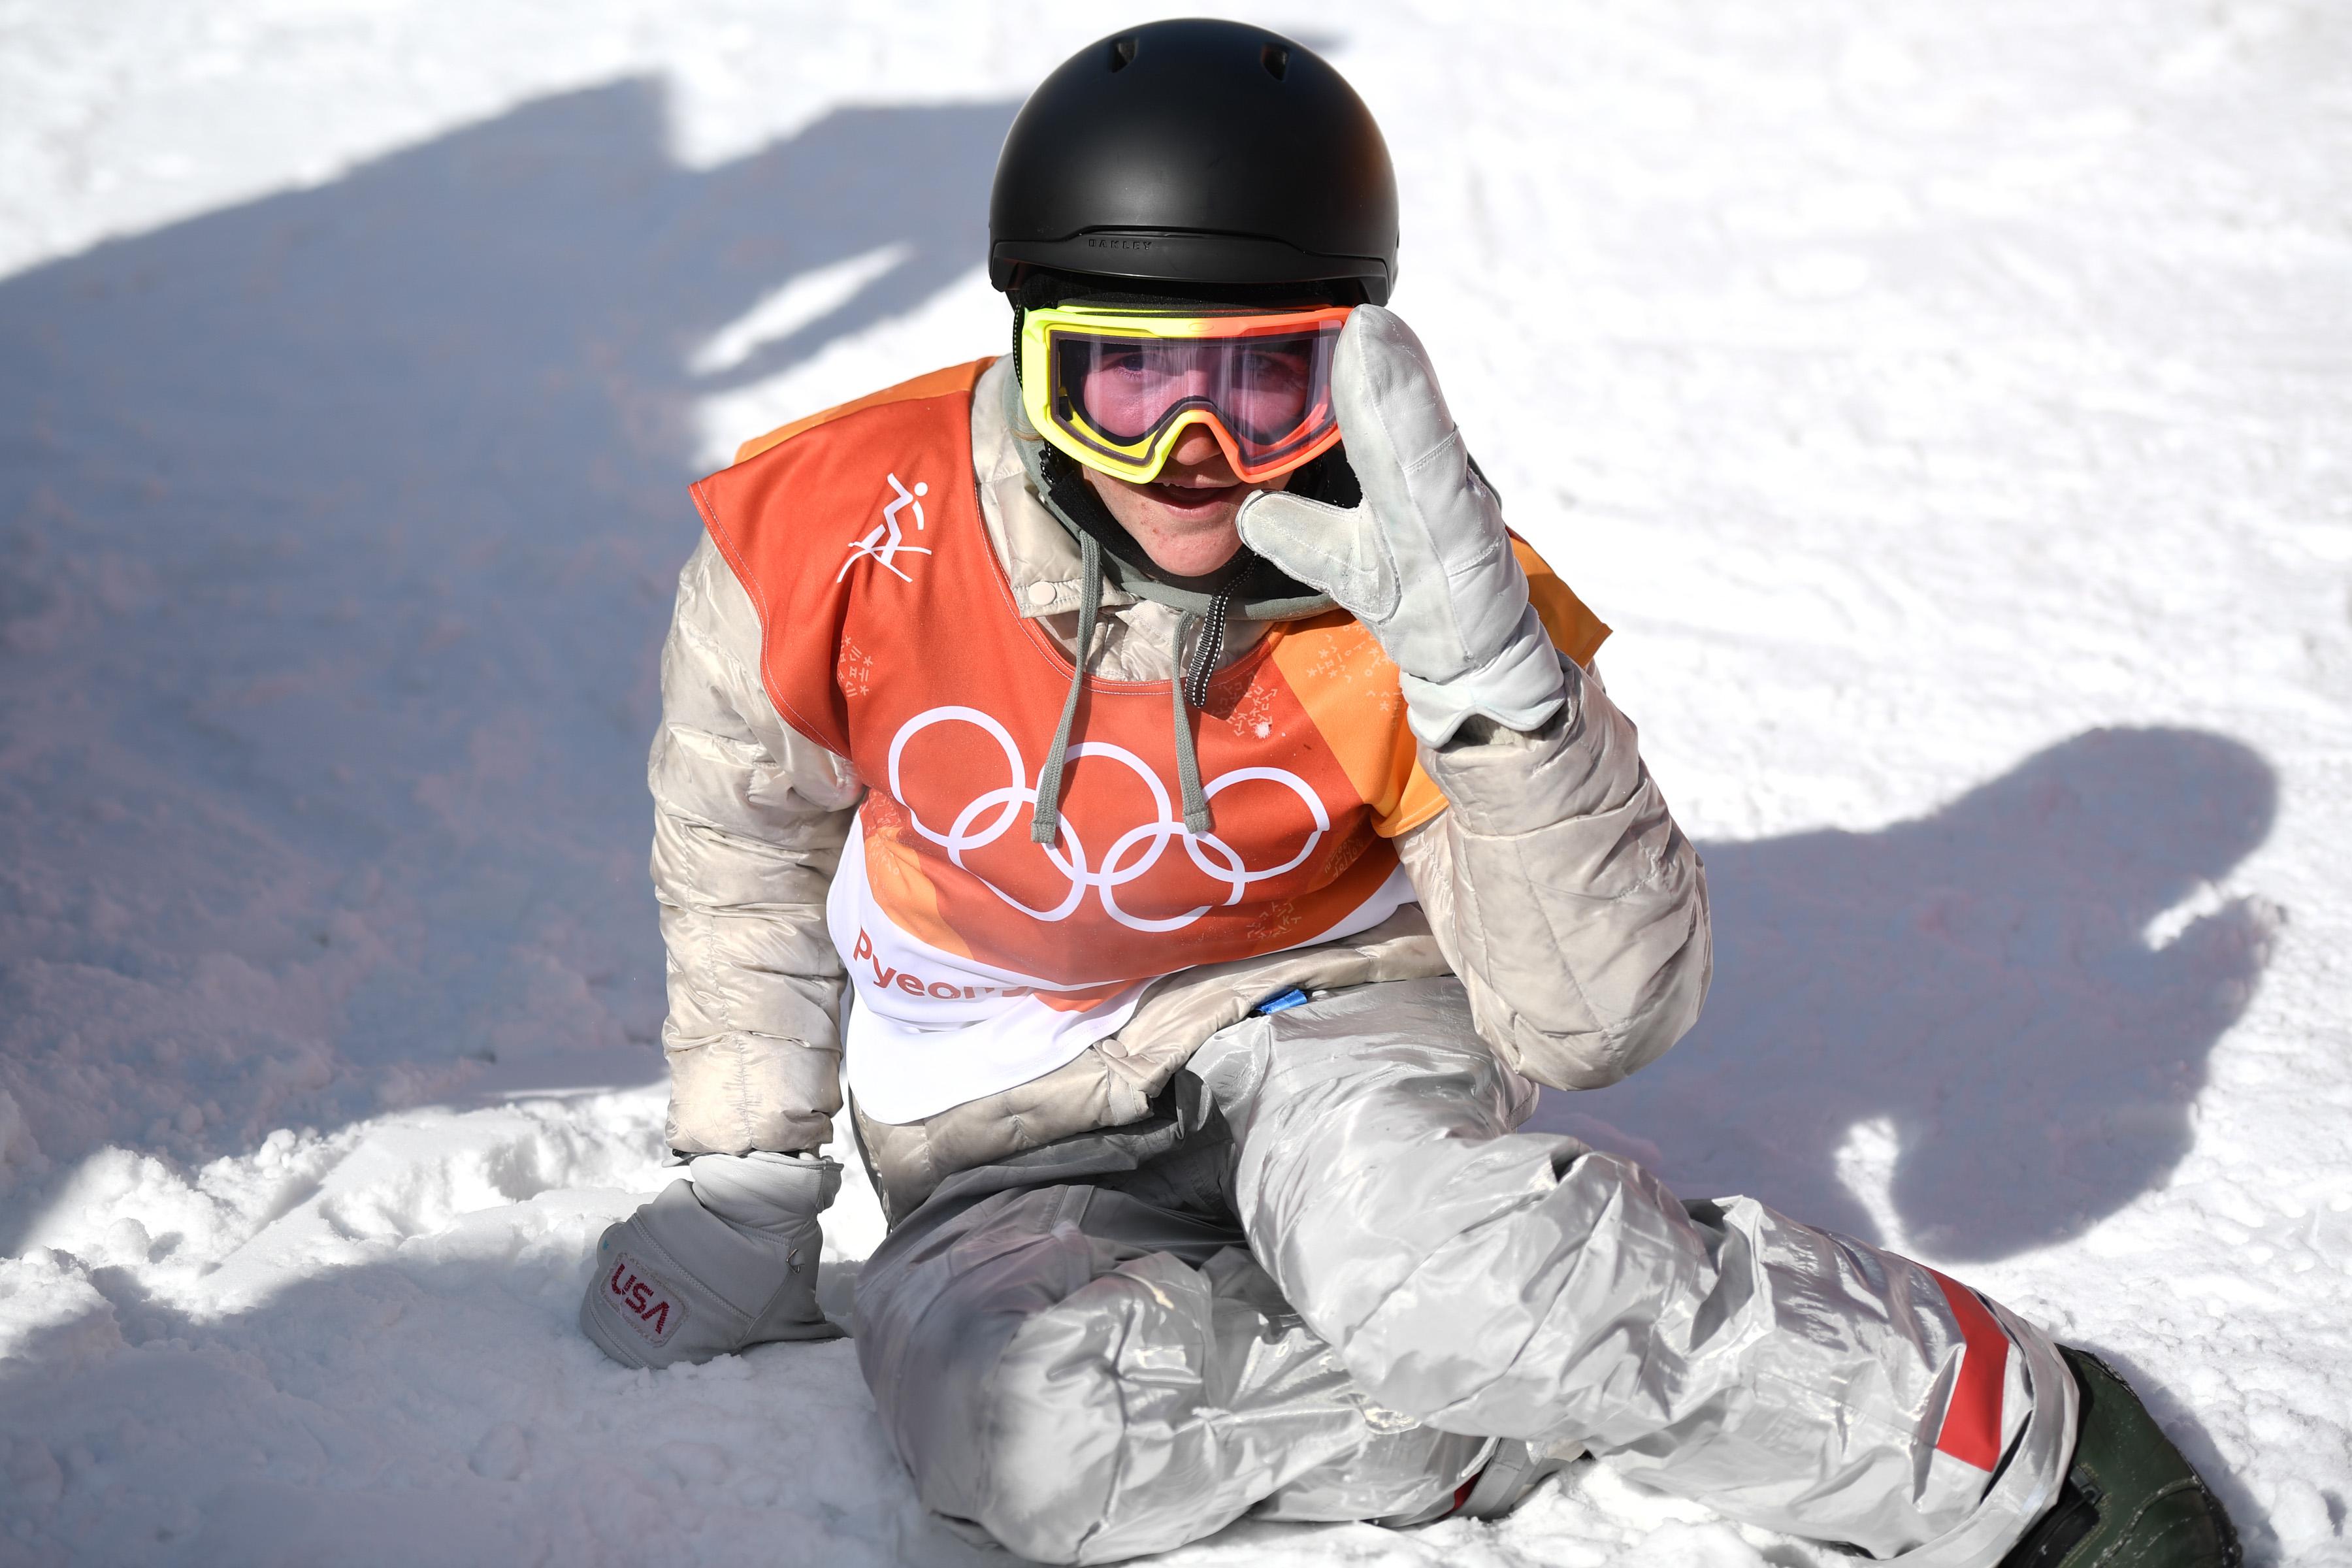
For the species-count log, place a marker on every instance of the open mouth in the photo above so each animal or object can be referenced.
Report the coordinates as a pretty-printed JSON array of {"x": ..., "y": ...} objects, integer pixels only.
[{"x": 1195, "y": 498}]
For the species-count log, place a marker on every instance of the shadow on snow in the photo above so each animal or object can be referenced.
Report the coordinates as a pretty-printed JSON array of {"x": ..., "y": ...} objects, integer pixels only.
[
  {"x": 477, "y": 1426},
  {"x": 1967, "y": 1017},
  {"x": 337, "y": 533}
]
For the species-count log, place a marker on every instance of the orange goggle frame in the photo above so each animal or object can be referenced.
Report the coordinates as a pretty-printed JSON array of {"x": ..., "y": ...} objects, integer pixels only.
[{"x": 1116, "y": 388}]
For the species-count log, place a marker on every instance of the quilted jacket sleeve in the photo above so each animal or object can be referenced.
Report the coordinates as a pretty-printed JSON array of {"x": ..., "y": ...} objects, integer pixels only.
[
  {"x": 749, "y": 821},
  {"x": 1563, "y": 894}
]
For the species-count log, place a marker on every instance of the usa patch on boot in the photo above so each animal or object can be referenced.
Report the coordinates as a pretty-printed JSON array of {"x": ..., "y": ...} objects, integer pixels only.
[{"x": 645, "y": 1298}]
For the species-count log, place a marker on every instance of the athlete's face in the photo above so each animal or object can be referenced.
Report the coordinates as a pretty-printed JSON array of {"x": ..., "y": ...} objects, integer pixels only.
[{"x": 1185, "y": 518}]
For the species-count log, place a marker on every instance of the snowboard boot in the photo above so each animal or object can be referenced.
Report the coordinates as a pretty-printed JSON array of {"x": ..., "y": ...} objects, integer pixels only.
[
  {"x": 1511, "y": 1474},
  {"x": 2129, "y": 1499},
  {"x": 1509, "y": 1478}
]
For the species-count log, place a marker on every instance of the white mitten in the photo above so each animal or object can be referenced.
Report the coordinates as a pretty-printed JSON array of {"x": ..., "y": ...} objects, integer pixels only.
[
  {"x": 721, "y": 1261},
  {"x": 1424, "y": 562}
]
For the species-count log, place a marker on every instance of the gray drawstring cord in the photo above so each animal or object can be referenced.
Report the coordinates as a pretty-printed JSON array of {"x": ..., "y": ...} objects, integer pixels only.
[
  {"x": 1045, "y": 819},
  {"x": 1188, "y": 688}
]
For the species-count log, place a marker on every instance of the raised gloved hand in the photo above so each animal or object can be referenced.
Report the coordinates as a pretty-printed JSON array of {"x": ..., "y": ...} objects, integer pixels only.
[
  {"x": 1423, "y": 563},
  {"x": 724, "y": 1259}
]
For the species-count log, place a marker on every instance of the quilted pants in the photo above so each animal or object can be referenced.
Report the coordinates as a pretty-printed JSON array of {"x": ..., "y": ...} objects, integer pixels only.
[{"x": 1332, "y": 1274}]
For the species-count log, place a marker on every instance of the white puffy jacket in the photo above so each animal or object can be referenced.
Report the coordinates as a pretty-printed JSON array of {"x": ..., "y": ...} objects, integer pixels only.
[{"x": 1556, "y": 886}]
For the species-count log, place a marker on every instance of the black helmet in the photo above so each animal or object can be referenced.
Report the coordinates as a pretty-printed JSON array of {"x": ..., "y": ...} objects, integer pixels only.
[{"x": 1196, "y": 153}]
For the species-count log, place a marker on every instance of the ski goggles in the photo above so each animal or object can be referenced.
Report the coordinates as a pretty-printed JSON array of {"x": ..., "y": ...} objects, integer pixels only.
[{"x": 1117, "y": 388}]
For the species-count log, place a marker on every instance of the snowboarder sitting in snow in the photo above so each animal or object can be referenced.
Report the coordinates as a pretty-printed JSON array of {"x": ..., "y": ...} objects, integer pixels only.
[{"x": 1223, "y": 831}]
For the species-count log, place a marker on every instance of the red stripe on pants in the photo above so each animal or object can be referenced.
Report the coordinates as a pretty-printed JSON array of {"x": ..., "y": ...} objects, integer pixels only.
[{"x": 1971, "y": 1431}]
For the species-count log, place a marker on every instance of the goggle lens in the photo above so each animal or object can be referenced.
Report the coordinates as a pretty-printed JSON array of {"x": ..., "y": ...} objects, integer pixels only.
[{"x": 1265, "y": 388}]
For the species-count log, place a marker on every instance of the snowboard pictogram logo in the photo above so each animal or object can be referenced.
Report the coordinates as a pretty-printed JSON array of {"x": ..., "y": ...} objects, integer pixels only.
[
  {"x": 885, "y": 540},
  {"x": 645, "y": 1298}
]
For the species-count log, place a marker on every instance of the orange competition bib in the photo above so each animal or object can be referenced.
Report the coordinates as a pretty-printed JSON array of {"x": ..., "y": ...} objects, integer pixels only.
[{"x": 980, "y": 959}]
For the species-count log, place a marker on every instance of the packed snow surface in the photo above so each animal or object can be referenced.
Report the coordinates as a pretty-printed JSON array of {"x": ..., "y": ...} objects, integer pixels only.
[{"x": 1950, "y": 405}]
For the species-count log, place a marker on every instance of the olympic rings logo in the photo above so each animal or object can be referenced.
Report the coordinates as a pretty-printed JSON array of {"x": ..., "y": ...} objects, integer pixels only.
[{"x": 1132, "y": 855}]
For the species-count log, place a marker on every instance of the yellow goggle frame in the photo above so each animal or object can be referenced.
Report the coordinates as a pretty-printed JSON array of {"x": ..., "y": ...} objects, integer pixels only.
[{"x": 1211, "y": 369}]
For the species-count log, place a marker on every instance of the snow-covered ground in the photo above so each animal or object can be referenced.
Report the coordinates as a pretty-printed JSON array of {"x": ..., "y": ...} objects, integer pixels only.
[{"x": 1951, "y": 406}]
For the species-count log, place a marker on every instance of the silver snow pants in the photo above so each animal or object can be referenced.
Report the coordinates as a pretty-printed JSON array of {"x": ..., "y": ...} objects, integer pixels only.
[{"x": 1323, "y": 1283}]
